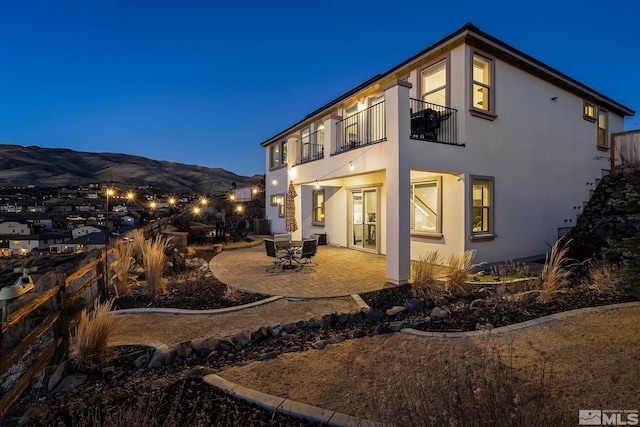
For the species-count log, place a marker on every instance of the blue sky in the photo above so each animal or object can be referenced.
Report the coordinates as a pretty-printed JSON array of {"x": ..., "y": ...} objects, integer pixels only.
[{"x": 205, "y": 82}]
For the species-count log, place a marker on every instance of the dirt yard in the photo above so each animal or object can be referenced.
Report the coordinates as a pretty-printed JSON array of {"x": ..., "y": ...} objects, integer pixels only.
[{"x": 589, "y": 360}]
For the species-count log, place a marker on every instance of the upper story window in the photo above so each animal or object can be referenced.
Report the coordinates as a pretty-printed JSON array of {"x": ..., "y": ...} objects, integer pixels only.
[
  {"x": 434, "y": 83},
  {"x": 589, "y": 111},
  {"x": 425, "y": 207},
  {"x": 320, "y": 135},
  {"x": 278, "y": 154},
  {"x": 318, "y": 207},
  {"x": 482, "y": 87},
  {"x": 602, "y": 128}
]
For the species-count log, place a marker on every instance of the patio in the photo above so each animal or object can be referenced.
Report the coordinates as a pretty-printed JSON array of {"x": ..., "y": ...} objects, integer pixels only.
[{"x": 338, "y": 272}]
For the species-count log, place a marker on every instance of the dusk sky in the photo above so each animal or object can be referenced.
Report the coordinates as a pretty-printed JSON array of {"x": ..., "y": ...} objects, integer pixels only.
[{"x": 205, "y": 82}]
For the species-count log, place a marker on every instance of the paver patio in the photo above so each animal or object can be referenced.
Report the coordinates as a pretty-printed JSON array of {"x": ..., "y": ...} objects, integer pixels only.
[{"x": 338, "y": 272}]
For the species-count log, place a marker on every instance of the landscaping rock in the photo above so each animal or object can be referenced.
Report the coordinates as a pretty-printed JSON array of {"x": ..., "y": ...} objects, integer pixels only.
[
  {"x": 275, "y": 330},
  {"x": 268, "y": 356},
  {"x": 438, "y": 313},
  {"x": 56, "y": 378},
  {"x": 141, "y": 361},
  {"x": 395, "y": 310},
  {"x": 312, "y": 323},
  {"x": 373, "y": 315},
  {"x": 70, "y": 383},
  {"x": 329, "y": 320},
  {"x": 290, "y": 328},
  {"x": 301, "y": 324},
  {"x": 414, "y": 304},
  {"x": 242, "y": 339},
  {"x": 478, "y": 303},
  {"x": 319, "y": 345},
  {"x": 259, "y": 335},
  {"x": 397, "y": 326}
]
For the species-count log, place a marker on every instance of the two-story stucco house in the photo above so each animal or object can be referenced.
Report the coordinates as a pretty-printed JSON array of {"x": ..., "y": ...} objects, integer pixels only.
[{"x": 470, "y": 144}]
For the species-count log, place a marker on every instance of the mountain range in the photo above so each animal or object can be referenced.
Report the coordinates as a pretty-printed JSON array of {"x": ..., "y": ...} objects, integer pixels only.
[{"x": 59, "y": 167}]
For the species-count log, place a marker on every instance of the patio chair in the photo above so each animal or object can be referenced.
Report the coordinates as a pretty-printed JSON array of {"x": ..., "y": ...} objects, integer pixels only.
[
  {"x": 282, "y": 238},
  {"x": 240, "y": 231},
  {"x": 305, "y": 256},
  {"x": 272, "y": 252}
]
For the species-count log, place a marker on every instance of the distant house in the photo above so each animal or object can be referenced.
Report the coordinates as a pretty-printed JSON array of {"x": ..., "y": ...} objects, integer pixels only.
[
  {"x": 53, "y": 238},
  {"x": 4, "y": 246},
  {"x": 21, "y": 228},
  {"x": 244, "y": 194},
  {"x": 22, "y": 245},
  {"x": 41, "y": 223},
  {"x": 84, "y": 243},
  {"x": 128, "y": 220},
  {"x": 86, "y": 229},
  {"x": 8, "y": 208}
]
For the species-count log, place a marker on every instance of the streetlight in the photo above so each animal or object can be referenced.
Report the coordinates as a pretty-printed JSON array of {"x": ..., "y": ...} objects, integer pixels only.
[{"x": 109, "y": 192}]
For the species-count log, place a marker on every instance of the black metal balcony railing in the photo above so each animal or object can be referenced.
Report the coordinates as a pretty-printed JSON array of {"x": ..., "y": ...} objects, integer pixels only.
[
  {"x": 432, "y": 122},
  {"x": 312, "y": 147},
  {"x": 363, "y": 128}
]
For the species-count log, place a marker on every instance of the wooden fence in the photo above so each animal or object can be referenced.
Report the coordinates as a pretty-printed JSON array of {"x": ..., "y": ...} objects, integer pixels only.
[
  {"x": 625, "y": 151},
  {"x": 64, "y": 302}
]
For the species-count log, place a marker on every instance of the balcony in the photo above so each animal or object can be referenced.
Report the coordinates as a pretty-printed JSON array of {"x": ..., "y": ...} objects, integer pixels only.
[
  {"x": 361, "y": 129},
  {"x": 311, "y": 147},
  {"x": 432, "y": 122}
]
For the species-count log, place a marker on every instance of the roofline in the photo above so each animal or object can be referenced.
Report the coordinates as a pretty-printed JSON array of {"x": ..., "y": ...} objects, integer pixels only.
[{"x": 473, "y": 36}]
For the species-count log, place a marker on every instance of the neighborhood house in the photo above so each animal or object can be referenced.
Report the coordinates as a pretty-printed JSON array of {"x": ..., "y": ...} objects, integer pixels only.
[{"x": 468, "y": 145}]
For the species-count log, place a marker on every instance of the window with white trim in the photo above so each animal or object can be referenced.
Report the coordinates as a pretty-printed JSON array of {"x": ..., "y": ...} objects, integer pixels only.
[
  {"x": 434, "y": 83},
  {"x": 425, "y": 207},
  {"x": 589, "y": 111},
  {"x": 278, "y": 154},
  {"x": 482, "y": 72},
  {"x": 318, "y": 207},
  {"x": 482, "y": 206}
]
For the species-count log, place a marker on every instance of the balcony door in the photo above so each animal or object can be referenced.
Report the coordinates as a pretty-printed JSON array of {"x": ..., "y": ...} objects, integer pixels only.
[{"x": 363, "y": 217}]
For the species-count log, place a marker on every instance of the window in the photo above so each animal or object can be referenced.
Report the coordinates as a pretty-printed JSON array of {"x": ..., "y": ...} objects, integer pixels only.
[
  {"x": 305, "y": 141},
  {"x": 602, "y": 129},
  {"x": 319, "y": 139},
  {"x": 318, "y": 207},
  {"x": 425, "y": 207},
  {"x": 351, "y": 126},
  {"x": 482, "y": 206},
  {"x": 589, "y": 112},
  {"x": 434, "y": 84},
  {"x": 278, "y": 200},
  {"x": 482, "y": 96},
  {"x": 278, "y": 154}
]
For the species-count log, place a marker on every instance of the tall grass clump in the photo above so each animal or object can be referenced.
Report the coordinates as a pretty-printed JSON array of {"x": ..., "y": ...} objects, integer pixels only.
[
  {"x": 137, "y": 243},
  {"x": 154, "y": 263},
  {"x": 600, "y": 278},
  {"x": 121, "y": 270},
  {"x": 460, "y": 266},
  {"x": 556, "y": 271},
  {"x": 93, "y": 334},
  {"x": 424, "y": 281}
]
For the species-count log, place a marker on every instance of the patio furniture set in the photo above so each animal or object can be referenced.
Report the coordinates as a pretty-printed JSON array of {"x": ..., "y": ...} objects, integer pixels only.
[{"x": 290, "y": 254}]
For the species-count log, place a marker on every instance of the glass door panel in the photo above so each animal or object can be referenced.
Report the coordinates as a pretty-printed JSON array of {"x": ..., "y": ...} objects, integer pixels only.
[{"x": 364, "y": 219}]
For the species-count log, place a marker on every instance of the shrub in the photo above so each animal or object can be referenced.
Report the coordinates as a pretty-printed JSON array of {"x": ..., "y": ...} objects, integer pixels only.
[
  {"x": 601, "y": 277},
  {"x": 121, "y": 270},
  {"x": 556, "y": 271},
  {"x": 137, "y": 243},
  {"x": 154, "y": 263},
  {"x": 510, "y": 268},
  {"x": 424, "y": 281},
  {"x": 460, "y": 266},
  {"x": 231, "y": 294},
  {"x": 93, "y": 334}
]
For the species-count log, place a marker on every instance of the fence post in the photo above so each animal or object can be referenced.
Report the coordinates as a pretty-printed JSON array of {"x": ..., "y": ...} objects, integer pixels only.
[
  {"x": 612, "y": 157},
  {"x": 102, "y": 282},
  {"x": 61, "y": 329}
]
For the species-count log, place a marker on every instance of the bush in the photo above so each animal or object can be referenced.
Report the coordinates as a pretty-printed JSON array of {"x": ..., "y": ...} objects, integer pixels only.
[
  {"x": 93, "y": 334},
  {"x": 457, "y": 282},
  {"x": 556, "y": 271},
  {"x": 424, "y": 281},
  {"x": 154, "y": 264},
  {"x": 121, "y": 270}
]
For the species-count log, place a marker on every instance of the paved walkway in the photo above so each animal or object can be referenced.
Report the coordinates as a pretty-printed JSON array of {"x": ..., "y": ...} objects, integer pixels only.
[{"x": 338, "y": 272}]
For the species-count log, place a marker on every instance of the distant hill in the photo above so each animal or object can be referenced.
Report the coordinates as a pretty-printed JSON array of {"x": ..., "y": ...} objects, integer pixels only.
[{"x": 57, "y": 167}]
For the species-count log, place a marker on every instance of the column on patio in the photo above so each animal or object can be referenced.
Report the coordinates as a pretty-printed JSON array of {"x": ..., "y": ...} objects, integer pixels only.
[{"x": 398, "y": 173}]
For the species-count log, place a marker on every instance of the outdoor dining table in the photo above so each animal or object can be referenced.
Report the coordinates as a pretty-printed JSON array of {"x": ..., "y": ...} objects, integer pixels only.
[{"x": 291, "y": 248}]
